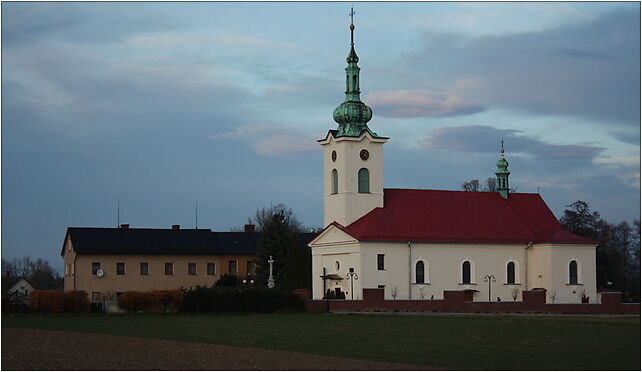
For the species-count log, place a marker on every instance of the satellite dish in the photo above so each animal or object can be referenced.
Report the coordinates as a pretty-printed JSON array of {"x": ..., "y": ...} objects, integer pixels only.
[{"x": 100, "y": 273}]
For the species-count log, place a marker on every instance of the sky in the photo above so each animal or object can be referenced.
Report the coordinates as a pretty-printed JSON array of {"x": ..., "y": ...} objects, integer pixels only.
[{"x": 158, "y": 105}]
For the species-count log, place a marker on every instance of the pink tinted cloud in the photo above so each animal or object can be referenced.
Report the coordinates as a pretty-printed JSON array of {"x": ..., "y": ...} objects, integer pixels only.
[
  {"x": 420, "y": 103},
  {"x": 271, "y": 140}
]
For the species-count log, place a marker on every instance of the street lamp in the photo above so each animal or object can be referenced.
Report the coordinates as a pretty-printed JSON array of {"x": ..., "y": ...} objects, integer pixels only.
[
  {"x": 489, "y": 278},
  {"x": 352, "y": 276}
]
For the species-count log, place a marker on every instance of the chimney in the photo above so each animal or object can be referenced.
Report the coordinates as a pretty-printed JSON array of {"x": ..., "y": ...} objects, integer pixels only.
[
  {"x": 176, "y": 227},
  {"x": 249, "y": 228},
  {"x": 124, "y": 226}
]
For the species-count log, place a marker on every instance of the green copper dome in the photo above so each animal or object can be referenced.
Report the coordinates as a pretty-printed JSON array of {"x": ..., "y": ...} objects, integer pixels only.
[
  {"x": 352, "y": 115},
  {"x": 502, "y": 165}
]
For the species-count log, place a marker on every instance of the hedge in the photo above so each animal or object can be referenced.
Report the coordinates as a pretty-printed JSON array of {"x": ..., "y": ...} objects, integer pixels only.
[
  {"x": 152, "y": 301},
  {"x": 229, "y": 299},
  {"x": 41, "y": 301}
]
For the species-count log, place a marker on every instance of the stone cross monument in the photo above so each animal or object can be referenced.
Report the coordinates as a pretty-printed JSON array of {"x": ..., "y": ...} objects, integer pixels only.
[{"x": 271, "y": 278}]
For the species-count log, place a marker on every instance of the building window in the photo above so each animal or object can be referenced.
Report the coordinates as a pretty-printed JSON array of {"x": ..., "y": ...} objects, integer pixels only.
[
  {"x": 95, "y": 296},
  {"x": 95, "y": 266},
  {"x": 211, "y": 268},
  {"x": 169, "y": 268},
  {"x": 232, "y": 268},
  {"x": 572, "y": 272},
  {"x": 144, "y": 268},
  {"x": 381, "y": 286},
  {"x": 120, "y": 268},
  {"x": 380, "y": 265},
  {"x": 510, "y": 273},
  {"x": 251, "y": 269},
  {"x": 465, "y": 272},
  {"x": 419, "y": 273},
  {"x": 364, "y": 181},
  {"x": 337, "y": 266},
  {"x": 191, "y": 268},
  {"x": 335, "y": 182}
]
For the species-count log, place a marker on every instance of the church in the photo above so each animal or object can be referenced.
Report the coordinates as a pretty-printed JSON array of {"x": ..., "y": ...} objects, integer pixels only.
[{"x": 416, "y": 244}]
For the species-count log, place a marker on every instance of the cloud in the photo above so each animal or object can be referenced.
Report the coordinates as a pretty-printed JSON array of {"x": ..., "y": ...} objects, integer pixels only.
[
  {"x": 271, "y": 140},
  {"x": 485, "y": 139},
  {"x": 420, "y": 103},
  {"x": 589, "y": 69}
]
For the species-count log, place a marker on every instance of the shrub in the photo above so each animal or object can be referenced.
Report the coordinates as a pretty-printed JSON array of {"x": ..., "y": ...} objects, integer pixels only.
[
  {"x": 46, "y": 301},
  {"x": 76, "y": 302},
  {"x": 242, "y": 300},
  {"x": 154, "y": 301},
  {"x": 227, "y": 280}
]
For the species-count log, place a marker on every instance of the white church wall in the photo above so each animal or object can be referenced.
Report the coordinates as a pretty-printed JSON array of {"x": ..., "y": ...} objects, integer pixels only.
[
  {"x": 549, "y": 270},
  {"x": 347, "y": 205},
  {"x": 584, "y": 255},
  {"x": 337, "y": 260},
  {"x": 443, "y": 264}
]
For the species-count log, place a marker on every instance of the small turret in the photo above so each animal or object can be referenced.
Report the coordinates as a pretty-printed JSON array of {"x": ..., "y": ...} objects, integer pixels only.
[{"x": 502, "y": 174}]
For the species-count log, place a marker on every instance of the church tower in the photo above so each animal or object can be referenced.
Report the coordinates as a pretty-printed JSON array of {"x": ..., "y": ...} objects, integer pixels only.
[
  {"x": 502, "y": 174},
  {"x": 352, "y": 155}
]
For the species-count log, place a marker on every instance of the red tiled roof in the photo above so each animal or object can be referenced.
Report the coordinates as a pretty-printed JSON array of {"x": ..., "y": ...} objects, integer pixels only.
[{"x": 461, "y": 217}]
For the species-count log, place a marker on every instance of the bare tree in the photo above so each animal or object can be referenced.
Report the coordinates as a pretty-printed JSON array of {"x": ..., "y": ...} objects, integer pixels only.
[
  {"x": 472, "y": 185},
  {"x": 395, "y": 290},
  {"x": 422, "y": 292},
  {"x": 514, "y": 293},
  {"x": 491, "y": 185}
]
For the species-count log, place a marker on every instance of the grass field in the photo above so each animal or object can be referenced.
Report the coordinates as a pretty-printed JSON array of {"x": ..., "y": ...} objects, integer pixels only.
[{"x": 458, "y": 342}]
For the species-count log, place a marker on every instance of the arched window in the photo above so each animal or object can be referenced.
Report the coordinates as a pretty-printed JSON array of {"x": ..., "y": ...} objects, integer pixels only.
[
  {"x": 335, "y": 182},
  {"x": 364, "y": 181},
  {"x": 420, "y": 273},
  {"x": 465, "y": 272},
  {"x": 572, "y": 272},
  {"x": 510, "y": 273},
  {"x": 354, "y": 82}
]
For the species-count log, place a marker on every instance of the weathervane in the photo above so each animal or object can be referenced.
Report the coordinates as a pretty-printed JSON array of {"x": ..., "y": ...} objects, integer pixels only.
[{"x": 351, "y": 26}]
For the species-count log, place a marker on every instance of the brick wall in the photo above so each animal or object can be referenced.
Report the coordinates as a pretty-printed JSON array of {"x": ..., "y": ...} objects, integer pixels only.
[{"x": 461, "y": 302}]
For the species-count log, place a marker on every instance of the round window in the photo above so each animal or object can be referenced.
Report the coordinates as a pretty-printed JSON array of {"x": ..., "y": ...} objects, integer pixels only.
[{"x": 337, "y": 266}]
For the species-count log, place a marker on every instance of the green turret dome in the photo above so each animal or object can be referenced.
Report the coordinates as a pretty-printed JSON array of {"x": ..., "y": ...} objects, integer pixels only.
[
  {"x": 352, "y": 115},
  {"x": 502, "y": 165}
]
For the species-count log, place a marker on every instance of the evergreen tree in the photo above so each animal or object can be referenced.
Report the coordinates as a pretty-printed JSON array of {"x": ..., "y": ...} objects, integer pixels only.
[{"x": 279, "y": 235}]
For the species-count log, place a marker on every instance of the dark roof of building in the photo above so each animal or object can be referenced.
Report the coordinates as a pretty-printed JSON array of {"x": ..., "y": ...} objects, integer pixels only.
[
  {"x": 99, "y": 240},
  {"x": 461, "y": 217}
]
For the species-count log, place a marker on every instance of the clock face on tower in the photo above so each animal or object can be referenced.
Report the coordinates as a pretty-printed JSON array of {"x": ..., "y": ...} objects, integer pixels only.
[{"x": 364, "y": 154}]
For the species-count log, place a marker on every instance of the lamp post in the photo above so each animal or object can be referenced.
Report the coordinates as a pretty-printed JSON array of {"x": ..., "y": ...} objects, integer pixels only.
[
  {"x": 352, "y": 276},
  {"x": 489, "y": 278},
  {"x": 271, "y": 277}
]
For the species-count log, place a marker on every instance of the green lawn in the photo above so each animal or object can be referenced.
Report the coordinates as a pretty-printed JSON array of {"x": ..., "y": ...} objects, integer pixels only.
[{"x": 458, "y": 342}]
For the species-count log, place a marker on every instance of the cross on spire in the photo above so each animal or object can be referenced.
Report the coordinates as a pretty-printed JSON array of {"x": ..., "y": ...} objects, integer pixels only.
[{"x": 351, "y": 14}]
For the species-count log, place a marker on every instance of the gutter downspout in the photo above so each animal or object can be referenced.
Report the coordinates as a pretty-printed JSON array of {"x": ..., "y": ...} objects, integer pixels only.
[
  {"x": 409, "y": 271},
  {"x": 529, "y": 245}
]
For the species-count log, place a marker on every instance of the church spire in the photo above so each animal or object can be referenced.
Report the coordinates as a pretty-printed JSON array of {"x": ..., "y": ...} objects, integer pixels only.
[
  {"x": 352, "y": 115},
  {"x": 502, "y": 174}
]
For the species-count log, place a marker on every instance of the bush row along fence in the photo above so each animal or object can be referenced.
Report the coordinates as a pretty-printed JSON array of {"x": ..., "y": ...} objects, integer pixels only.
[
  {"x": 41, "y": 301},
  {"x": 152, "y": 301},
  {"x": 229, "y": 299}
]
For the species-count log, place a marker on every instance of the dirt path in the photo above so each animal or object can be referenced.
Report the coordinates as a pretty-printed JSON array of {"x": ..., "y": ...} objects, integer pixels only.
[{"x": 28, "y": 349}]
